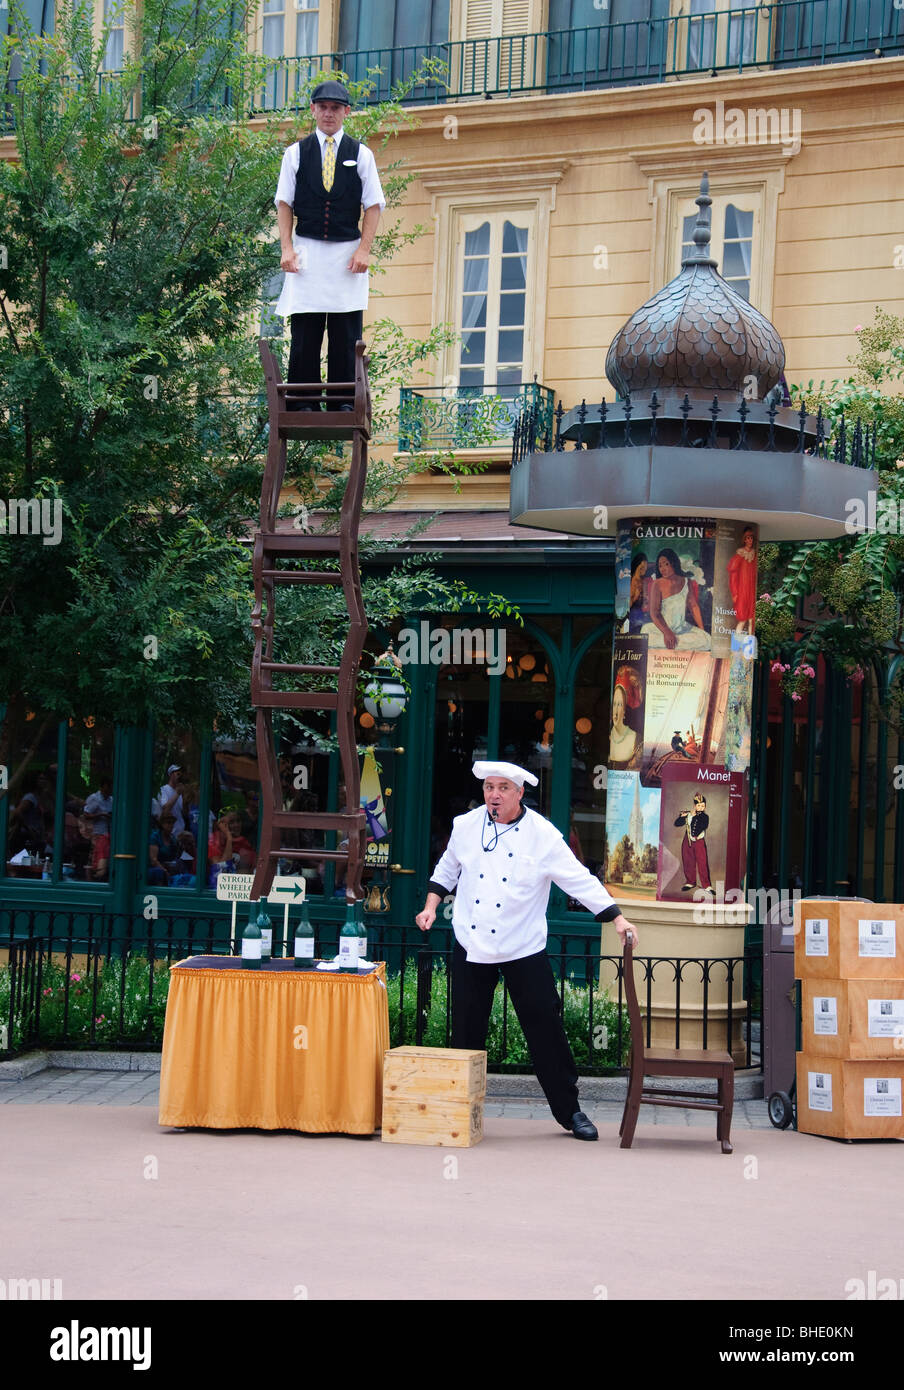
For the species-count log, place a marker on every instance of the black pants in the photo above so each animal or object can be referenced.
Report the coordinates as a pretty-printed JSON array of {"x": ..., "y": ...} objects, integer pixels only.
[
  {"x": 343, "y": 332},
  {"x": 533, "y": 992}
]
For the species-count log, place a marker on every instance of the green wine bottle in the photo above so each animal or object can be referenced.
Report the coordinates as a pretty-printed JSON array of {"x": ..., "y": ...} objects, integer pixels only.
[
  {"x": 362, "y": 931},
  {"x": 348, "y": 942},
  {"x": 265, "y": 927},
  {"x": 304, "y": 941},
  {"x": 251, "y": 943}
]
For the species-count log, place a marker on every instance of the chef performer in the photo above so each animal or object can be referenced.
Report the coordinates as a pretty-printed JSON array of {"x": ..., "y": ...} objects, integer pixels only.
[
  {"x": 502, "y": 858},
  {"x": 325, "y": 181}
]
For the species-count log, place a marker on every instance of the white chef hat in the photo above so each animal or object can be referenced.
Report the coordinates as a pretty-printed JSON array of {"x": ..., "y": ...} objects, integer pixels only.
[{"x": 516, "y": 774}]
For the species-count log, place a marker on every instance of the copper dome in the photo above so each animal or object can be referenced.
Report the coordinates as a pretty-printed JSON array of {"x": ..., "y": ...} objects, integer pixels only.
[{"x": 697, "y": 331}]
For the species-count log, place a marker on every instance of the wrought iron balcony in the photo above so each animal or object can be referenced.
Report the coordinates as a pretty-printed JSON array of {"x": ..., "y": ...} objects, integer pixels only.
[
  {"x": 470, "y": 417},
  {"x": 787, "y": 33},
  {"x": 790, "y": 33}
]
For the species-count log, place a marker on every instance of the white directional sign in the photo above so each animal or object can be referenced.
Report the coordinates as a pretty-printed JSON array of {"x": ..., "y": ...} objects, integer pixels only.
[{"x": 236, "y": 888}]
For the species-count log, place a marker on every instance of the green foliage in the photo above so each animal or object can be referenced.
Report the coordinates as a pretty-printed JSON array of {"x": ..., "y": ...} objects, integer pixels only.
[
  {"x": 857, "y": 579},
  {"x": 106, "y": 1009}
]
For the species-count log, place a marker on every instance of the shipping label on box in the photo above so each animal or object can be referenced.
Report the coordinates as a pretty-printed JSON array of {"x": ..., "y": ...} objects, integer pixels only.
[
  {"x": 819, "y": 1090},
  {"x": 882, "y": 1095},
  {"x": 817, "y": 936},
  {"x": 825, "y": 1015},
  {"x": 877, "y": 938},
  {"x": 886, "y": 1018}
]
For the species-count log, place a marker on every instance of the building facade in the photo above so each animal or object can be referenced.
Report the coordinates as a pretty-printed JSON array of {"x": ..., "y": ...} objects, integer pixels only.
[{"x": 557, "y": 159}]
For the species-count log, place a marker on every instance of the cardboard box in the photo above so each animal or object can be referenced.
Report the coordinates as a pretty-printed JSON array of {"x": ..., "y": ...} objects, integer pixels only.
[
  {"x": 838, "y": 940},
  {"x": 853, "y": 1019},
  {"x": 850, "y": 1099},
  {"x": 433, "y": 1095}
]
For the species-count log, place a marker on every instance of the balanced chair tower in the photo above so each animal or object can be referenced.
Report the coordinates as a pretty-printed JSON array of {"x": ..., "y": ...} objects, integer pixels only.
[{"x": 849, "y": 958}]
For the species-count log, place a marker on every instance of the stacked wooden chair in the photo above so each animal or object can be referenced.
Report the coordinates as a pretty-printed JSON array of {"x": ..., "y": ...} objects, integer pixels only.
[{"x": 294, "y": 413}]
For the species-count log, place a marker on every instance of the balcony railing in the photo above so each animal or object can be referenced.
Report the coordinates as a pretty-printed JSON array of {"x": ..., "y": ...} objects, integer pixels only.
[
  {"x": 470, "y": 417},
  {"x": 788, "y": 33}
]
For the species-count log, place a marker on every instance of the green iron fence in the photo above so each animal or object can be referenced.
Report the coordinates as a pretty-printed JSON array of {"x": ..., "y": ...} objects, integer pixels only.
[{"x": 468, "y": 417}]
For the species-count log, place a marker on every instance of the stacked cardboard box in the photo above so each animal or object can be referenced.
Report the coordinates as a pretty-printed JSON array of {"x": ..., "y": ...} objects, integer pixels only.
[{"x": 849, "y": 958}]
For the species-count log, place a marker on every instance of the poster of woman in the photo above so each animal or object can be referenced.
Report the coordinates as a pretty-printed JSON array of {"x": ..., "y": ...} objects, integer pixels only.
[
  {"x": 734, "y": 586},
  {"x": 627, "y": 711},
  {"x": 676, "y": 619}
]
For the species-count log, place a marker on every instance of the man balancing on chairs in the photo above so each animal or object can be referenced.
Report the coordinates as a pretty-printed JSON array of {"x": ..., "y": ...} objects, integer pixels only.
[
  {"x": 325, "y": 181},
  {"x": 502, "y": 858}
]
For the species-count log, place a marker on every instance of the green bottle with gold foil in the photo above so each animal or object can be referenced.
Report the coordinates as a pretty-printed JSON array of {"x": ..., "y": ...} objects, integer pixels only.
[{"x": 348, "y": 942}]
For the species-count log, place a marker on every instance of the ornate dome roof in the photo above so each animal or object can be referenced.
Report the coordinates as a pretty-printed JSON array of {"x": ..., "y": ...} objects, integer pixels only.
[{"x": 696, "y": 331}]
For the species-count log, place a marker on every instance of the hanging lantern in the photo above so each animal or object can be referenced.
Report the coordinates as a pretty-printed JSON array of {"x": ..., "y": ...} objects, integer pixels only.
[
  {"x": 584, "y": 726},
  {"x": 527, "y": 662},
  {"x": 385, "y": 697}
]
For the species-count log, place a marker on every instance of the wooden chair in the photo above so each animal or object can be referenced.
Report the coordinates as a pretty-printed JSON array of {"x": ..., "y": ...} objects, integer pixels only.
[{"x": 672, "y": 1062}]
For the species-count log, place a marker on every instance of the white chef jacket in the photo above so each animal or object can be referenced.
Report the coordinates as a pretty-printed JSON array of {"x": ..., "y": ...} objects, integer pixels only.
[
  {"x": 324, "y": 284},
  {"x": 502, "y": 894}
]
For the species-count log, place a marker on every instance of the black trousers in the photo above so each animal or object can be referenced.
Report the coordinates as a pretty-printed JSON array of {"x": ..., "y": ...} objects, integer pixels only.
[
  {"x": 343, "y": 332},
  {"x": 533, "y": 992}
]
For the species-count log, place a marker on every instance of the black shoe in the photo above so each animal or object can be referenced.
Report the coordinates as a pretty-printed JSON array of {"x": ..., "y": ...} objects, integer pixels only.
[
  {"x": 582, "y": 1128},
  {"x": 346, "y": 406}
]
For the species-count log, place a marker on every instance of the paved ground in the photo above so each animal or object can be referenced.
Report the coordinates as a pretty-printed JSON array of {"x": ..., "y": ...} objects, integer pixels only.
[
  {"x": 115, "y": 1207},
  {"x": 70, "y": 1086}
]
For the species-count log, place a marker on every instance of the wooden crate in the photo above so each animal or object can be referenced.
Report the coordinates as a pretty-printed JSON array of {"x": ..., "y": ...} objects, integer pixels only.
[
  {"x": 433, "y": 1095},
  {"x": 845, "y": 1085},
  {"x": 836, "y": 940},
  {"x": 867, "y": 1017}
]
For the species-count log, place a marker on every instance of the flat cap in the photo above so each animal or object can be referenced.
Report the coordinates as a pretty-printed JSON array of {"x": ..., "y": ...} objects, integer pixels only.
[{"x": 331, "y": 91}]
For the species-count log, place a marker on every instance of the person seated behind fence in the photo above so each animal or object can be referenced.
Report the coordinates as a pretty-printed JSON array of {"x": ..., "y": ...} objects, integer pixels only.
[
  {"x": 163, "y": 850},
  {"x": 30, "y": 821},
  {"x": 227, "y": 847},
  {"x": 184, "y": 868},
  {"x": 97, "y": 867}
]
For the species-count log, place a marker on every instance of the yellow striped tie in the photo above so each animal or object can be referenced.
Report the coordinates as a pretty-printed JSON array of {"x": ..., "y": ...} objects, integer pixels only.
[{"x": 329, "y": 164}]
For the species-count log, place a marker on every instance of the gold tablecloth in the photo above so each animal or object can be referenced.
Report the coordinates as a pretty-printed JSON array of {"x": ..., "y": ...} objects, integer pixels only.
[{"x": 275, "y": 1048}]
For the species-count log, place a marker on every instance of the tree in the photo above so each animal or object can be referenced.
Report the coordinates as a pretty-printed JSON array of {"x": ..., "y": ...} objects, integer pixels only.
[
  {"x": 623, "y": 860},
  {"x": 138, "y": 231},
  {"x": 858, "y": 580}
]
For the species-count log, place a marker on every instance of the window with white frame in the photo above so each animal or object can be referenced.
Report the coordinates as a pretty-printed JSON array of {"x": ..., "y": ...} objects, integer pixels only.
[
  {"x": 495, "y": 52},
  {"x": 290, "y": 28},
  {"x": 736, "y": 231},
  {"x": 495, "y": 251},
  {"x": 114, "y": 24},
  {"x": 719, "y": 33}
]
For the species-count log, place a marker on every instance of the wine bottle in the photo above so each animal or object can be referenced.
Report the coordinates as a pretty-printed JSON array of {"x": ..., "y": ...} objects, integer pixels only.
[
  {"x": 362, "y": 931},
  {"x": 348, "y": 942},
  {"x": 251, "y": 943},
  {"x": 304, "y": 941},
  {"x": 265, "y": 927}
]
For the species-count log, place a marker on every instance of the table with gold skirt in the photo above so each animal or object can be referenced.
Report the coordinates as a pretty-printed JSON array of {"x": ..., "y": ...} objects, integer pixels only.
[{"x": 275, "y": 1048}]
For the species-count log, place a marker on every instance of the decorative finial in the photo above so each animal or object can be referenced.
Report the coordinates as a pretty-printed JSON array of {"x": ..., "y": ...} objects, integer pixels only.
[{"x": 699, "y": 255}]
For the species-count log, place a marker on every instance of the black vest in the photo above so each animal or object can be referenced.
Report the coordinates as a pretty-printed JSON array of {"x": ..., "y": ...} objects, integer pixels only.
[{"x": 332, "y": 216}]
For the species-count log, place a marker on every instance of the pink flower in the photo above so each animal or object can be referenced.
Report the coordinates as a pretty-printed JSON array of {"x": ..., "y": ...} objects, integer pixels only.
[
  {"x": 857, "y": 675},
  {"x": 795, "y": 696},
  {"x": 76, "y": 978},
  {"x": 47, "y": 991},
  {"x": 99, "y": 1020},
  {"x": 786, "y": 668},
  {"x": 858, "y": 328},
  {"x": 767, "y": 598},
  {"x": 777, "y": 666}
]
